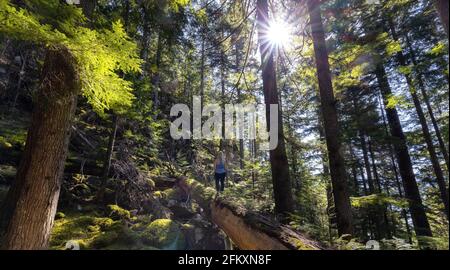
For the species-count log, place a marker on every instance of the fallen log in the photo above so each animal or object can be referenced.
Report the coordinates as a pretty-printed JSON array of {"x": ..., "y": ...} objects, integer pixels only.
[
  {"x": 247, "y": 229},
  {"x": 162, "y": 182}
]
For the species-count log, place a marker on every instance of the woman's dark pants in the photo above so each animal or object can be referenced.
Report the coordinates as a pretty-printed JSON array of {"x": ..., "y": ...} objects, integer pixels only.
[{"x": 220, "y": 181}]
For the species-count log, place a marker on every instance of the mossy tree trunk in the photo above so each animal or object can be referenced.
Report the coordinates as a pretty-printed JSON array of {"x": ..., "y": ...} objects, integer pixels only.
[
  {"x": 248, "y": 230},
  {"x": 32, "y": 200}
]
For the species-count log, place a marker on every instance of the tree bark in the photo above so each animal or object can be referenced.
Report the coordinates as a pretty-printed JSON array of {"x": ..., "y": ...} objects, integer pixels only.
[
  {"x": 442, "y": 9},
  {"x": 329, "y": 111},
  {"x": 222, "y": 89},
  {"x": 419, "y": 217},
  {"x": 239, "y": 99},
  {"x": 362, "y": 141},
  {"x": 23, "y": 59},
  {"x": 331, "y": 213},
  {"x": 278, "y": 159},
  {"x": 374, "y": 211},
  {"x": 395, "y": 170},
  {"x": 382, "y": 209},
  {"x": 426, "y": 99},
  {"x": 32, "y": 200},
  {"x": 247, "y": 229},
  {"x": 156, "y": 78},
  {"x": 425, "y": 130},
  {"x": 108, "y": 158}
]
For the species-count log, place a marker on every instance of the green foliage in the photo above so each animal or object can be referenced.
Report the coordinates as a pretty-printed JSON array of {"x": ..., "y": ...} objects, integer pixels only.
[
  {"x": 393, "y": 47},
  {"x": 13, "y": 131},
  {"x": 99, "y": 53},
  {"x": 439, "y": 49},
  {"x": 395, "y": 101},
  {"x": 59, "y": 215},
  {"x": 378, "y": 199},
  {"x": 395, "y": 244},
  {"x": 345, "y": 242},
  {"x": 405, "y": 70},
  {"x": 437, "y": 243}
]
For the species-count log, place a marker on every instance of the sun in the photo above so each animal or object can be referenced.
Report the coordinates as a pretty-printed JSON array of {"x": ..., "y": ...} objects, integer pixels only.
[{"x": 278, "y": 34}]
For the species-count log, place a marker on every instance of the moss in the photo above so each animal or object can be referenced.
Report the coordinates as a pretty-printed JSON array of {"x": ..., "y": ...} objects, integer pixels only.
[
  {"x": 70, "y": 228},
  {"x": 187, "y": 226},
  {"x": 164, "y": 234},
  {"x": 141, "y": 222},
  {"x": 88, "y": 230},
  {"x": 204, "y": 195},
  {"x": 104, "y": 223},
  {"x": 150, "y": 248},
  {"x": 13, "y": 131},
  {"x": 158, "y": 194},
  {"x": 5, "y": 143},
  {"x": 104, "y": 239},
  {"x": 151, "y": 183},
  {"x": 169, "y": 194},
  {"x": 116, "y": 212},
  {"x": 59, "y": 215},
  {"x": 300, "y": 245}
]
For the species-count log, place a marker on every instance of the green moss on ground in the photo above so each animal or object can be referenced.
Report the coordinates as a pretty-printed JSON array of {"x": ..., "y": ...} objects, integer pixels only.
[
  {"x": 117, "y": 213},
  {"x": 78, "y": 227},
  {"x": 92, "y": 231},
  {"x": 164, "y": 234}
]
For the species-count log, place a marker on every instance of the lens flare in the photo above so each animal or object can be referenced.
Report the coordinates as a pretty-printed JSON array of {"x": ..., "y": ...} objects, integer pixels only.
[{"x": 278, "y": 34}]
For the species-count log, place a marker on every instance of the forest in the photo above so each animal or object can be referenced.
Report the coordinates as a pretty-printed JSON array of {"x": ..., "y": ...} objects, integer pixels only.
[{"x": 224, "y": 125}]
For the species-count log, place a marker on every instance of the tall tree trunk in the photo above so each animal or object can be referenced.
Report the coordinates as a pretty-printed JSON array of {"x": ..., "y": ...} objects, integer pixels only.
[
  {"x": 383, "y": 221},
  {"x": 278, "y": 159},
  {"x": 202, "y": 71},
  {"x": 331, "y": 213},
  {"x": 374, "y": 211},
  {"x": 239, "y": 99},
  {"x": 145, "y": 43},
  {"x": 442, "y": 9},
  {"x": 424, "y": 93},
  {"x": 362, "y": 141},
  {"x": 108, "y": 158},
  {"x": 32, "y": 200},
  {"x": 419, "y": 217},
  {"x": 23, "y": 59},
  {"x": 222, "y": 96},
  {"x": 293, "y": 154},
  {"x": 88, "y": 7},
  {"x": 368, "y": 219},
  {"x": 329, "y": 112},
  {"x": 156, "y": 74},
  {"x": 395, "y": 170},
  {"x": 425, "y": 131}
]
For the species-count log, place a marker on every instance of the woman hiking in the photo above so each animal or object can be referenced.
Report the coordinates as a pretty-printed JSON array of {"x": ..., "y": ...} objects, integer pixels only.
[{"x": 220, "y": 171}]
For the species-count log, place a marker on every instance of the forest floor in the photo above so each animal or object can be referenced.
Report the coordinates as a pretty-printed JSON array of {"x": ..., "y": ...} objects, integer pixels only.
[
  {"x": 163, "y": 219},
  {"x": 169, "y": 223}
]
